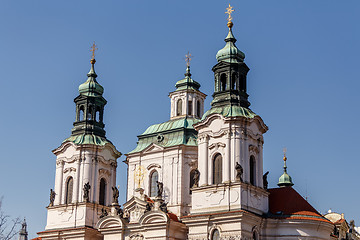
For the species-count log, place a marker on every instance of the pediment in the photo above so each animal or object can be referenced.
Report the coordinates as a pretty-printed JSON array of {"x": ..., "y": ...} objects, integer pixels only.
[
  {"x": 109, "y": 222},
  {"x": 153, "y": 217},
  {"x": 153, "y": 148}
]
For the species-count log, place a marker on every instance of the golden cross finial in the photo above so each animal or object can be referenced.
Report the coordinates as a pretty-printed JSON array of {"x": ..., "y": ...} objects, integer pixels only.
[
  {"x": 285, "y": 150},
  {"x": 229, "y": 11},
  {"x": 188, "y": 58},
  {"x": 93, "y": 49}
]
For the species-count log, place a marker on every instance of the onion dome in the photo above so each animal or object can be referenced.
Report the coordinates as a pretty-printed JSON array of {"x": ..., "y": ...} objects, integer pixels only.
[
  {"x": 187, "y": 82},
  {"x": 285, "y": 179},
  {"x": 91, "y": 87},
  {"x": 230, "y": 53}
]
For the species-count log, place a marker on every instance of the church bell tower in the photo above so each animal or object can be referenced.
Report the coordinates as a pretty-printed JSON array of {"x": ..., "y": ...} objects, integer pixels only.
[
  {"x": 230, "y": 141},
  {"x": 85, "y": 168}
]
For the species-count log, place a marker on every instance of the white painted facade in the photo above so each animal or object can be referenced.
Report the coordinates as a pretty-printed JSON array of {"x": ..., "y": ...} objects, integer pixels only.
[{"x": 82, "y": 163}]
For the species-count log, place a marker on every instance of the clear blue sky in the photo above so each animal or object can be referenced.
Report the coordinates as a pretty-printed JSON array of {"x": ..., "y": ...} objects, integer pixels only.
[{"x": 303, "y": 82}]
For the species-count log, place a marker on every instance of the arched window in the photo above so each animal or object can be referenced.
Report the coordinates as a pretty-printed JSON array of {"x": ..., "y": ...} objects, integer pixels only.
[
  {"x": 189, "y": 107},
  {"x": 97, "y": 114},
  {"x": 254, "y": 236},
  {"x": 179, "y": 107},
  {"x": 154, "y": 177},
  {"x": 242, "y": 83},
  {"x": 89, "y": 113},
  {"x": 198, "y": 109},
  {"x": 217, "y": 169},
  {"x": 81, "y": 117},
  {"x": 69, "y": 190},
  {"x": 102, "y": 191},
  {"x": 223, "y": 82},
  {"x": 252, "y": 170},
  {"x": 215, "y": 235},
  {"x": 233, "y": 81}
]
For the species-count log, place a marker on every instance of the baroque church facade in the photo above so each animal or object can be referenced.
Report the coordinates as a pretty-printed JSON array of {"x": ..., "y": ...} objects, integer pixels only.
[{"x": 198, "y": 175}]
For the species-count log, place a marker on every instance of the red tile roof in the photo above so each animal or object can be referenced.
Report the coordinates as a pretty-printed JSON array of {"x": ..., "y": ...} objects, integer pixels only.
[{"x": 285, "y": 202}]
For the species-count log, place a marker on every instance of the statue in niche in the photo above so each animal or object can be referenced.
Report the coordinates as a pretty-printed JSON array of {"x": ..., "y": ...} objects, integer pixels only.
[
  {"x": 239, "y": 172},
  {"x": 160, "y": 187},
  {"x": 52, "y": 197},
  {"x": 86, "y": 190},
  {"x": 115, "y": 195},
  {"x": 103, "y": 213},
  {"x": 265, "y": 181},
  {"x": 163, "y": 207},
  {"x": 196, "y": 178}
]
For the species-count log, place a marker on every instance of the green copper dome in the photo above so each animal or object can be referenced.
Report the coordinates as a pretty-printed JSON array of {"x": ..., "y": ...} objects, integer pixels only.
[
  {"x": 285, "y": 179},
  {"x": 91, "y": 87},
  {"x": 230, "y": 53}
]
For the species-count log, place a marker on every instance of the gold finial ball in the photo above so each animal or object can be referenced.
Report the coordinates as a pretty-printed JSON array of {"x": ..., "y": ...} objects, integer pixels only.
[
  {"x": 93, "y": 61},
  {"x": 230, "y": 24},
  {"x": 285, "y": 158}
]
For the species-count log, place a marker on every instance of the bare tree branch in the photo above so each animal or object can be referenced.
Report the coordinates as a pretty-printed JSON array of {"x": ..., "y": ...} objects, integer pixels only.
[{"x": 8, "y": 227}]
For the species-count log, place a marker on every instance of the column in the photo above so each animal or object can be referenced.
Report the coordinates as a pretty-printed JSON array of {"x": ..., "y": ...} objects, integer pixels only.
[
  {"x": 77, "y": 181},
  {"x": 227, "y": 159},
  {"x": 203, "y": 160},
  {"x": 259, "y": 168},
  {"x": 94, "y": 190},
  {"x": 234, "y": 153},
  {"x": 58, "y": 181}
]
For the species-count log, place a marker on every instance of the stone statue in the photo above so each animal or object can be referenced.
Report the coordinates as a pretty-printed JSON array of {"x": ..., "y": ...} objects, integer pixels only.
[
  {"x": 160, "y": 187},
  {"x": 239, "y": 172},
  {"x": 115, "y": 195},
  {"x": 86, "y": 189},
  {"x": 265, "y": 181},
  {"x": 163, "y": 207},
  {"x": 196, "y": 178},
  {"x": 103, "y": 213},
  {"x": 52, "y": 197},
  {"x": 119, "y": 211},
  {"x": 148, "y": 207}
]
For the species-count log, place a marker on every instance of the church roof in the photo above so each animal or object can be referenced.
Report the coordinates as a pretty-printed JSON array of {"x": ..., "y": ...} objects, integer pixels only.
[
  {"x": 167, "y": 134},
  {"x": 230, "y": 111},
  {"x": 87, "y": 139},
  {"x": 287, "y": 203}
]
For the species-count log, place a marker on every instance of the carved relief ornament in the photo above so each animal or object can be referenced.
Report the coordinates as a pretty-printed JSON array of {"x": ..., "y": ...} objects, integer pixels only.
[
  {"x": 217, "y": 145},
  {"x": 253, "y": 149},
  {"x": 70, "y": 169},
  {"x": 104, "y": 171}
]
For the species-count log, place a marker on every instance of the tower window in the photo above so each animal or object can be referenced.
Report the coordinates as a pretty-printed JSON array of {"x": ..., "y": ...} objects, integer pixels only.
[
  {"x": 89, "y": 113},
  {"x": 190, "y": 108},
  {"x": 252, "y": 170},
  {"x": 223, "y": 82},
  {"x": 154, "y": 177},
  {"x": 69, "y": 190},
  {"x": 234, "y": 82},
  {"x": 215, "y": 235},
  {"x": 179, "y": 107},
  {"x": 102, "y": 192},
  {"x": 192, "y": 174},
  {"x": 242, "y": 83},
  {"x": 198, "y": 109},
  {"x": 217, "y": 169},
  {"x": 81, "y": 113},
  {"x": 97, "y": 114}
]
